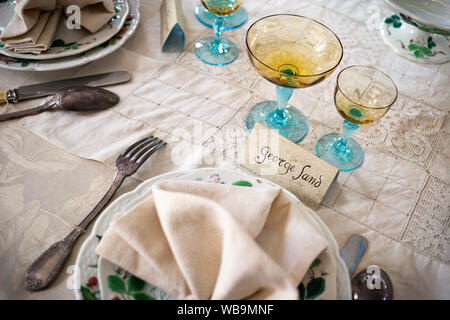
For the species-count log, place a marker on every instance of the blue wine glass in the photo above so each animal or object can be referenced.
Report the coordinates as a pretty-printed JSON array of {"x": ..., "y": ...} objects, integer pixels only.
[{"x": 217, "y": 50}]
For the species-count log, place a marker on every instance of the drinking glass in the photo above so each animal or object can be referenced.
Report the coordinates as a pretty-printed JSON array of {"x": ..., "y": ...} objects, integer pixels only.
[
  {"x": 217, "y": 50},
  {"x": 292, "y": 52},
  {"x": 231, "y": 21},
  {"x": 362, "y": 95}
]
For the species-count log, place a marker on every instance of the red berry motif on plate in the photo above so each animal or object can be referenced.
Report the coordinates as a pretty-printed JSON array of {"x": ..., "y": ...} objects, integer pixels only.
[{"x": 92, "y": 281}]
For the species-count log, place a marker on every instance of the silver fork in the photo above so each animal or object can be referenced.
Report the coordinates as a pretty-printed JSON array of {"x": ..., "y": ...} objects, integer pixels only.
[{"x": 41, "y": 273}]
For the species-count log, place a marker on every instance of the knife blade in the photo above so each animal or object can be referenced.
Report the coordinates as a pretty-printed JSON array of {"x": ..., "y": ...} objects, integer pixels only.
[
  {"x": 49, "y": 88},
  {"x": 353, "y": 250}
]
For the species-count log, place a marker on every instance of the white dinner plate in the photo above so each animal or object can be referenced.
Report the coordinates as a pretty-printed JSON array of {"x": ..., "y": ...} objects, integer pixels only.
[
  {"x": 71, "y": 42},
  {"x": 100, "y": 51},
  {"x": 329, "y": 270}
]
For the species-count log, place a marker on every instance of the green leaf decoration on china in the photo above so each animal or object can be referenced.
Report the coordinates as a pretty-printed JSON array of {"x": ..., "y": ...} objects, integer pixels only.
[
  {"x": 87, "y": 294},
  {"x": 142, "y": 296},
  {"x": 315, "y": 263},
  {"x": 135, "y": 284},
  {"x": 430, "y": 43},
  {"x": 394, "y": 20},
  {"x": 242, "y": 183},
  {"x": 315, "y": 287},
  {"x": 61, "y": 43},
  {"x": 131, "y": 289},
  {"x": 9, "y": 60},
  {"x": 419, "y": 51},
  {"x": 116, "y": 284},
  {"x": 302, "y": 291},
  {"x": 422, "y": 27},
  {"x": 57, "y": 43}
]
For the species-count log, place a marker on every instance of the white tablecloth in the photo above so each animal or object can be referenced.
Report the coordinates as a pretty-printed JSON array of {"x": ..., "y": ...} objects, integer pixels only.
[{"x": 399, "y": 199}]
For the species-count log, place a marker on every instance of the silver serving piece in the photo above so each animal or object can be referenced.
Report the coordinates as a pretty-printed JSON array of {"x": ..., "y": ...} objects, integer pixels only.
[
  {"x": 80, "y": 99},
  {"x": 50, "y": 88}
]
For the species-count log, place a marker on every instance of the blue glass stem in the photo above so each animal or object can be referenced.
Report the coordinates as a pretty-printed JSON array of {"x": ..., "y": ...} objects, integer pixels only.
[
  {"x": 341, "y": 145},
  {"x": 280, "y": 117},
  {"x": 218, "y": 29}
]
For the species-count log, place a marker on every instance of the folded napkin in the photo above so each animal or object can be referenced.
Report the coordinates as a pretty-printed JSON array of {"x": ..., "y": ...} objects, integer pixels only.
[
  {"x": 34, "y": 23},
  {"x": 197, "y": 240}
]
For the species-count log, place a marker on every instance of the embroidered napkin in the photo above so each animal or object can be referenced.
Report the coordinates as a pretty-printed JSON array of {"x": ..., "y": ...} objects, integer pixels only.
[
  {"x": 197, "y": 240},
  {"x": 34, "y": 23}
]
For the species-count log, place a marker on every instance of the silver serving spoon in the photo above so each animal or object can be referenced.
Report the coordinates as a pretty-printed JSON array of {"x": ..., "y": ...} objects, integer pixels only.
[
  {"x": 80, "y": 98},
  {"x": 370, "y": 284}
]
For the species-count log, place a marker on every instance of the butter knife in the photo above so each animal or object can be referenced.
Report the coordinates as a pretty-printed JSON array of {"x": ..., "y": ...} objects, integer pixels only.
[
  {"x": 50, "y": 88},
  {"x": 353, "y": 250}
]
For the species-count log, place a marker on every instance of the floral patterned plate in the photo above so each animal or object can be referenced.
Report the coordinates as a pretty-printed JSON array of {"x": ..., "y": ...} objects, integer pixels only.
[
  {"x": 100, "y": 51},
  {"x": 70, "y": 42},
  {"x": 100, "y": 279}
]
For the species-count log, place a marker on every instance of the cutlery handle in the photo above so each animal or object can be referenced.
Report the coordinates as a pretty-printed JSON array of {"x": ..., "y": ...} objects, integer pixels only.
[
  {"x": 118, "y": 179},
  {"x": 45, "y": 268},
  {"x": 41, "y": 273},
  {"x": 29, "y": 112}
]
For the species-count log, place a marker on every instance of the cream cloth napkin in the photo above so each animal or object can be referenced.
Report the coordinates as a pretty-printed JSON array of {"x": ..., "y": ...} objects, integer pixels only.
[
  {"x": 34, "y": 23},
  {"x": 197, "y": 240}
]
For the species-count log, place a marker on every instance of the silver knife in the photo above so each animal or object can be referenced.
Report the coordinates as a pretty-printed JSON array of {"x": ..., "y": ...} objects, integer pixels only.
[
  {"x": 49, "y": 88},
  {"x": 353, "y": 251}
]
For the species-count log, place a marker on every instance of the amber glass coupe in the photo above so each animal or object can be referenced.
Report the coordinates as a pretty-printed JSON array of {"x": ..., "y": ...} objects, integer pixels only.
[{"x": 292, "y": 52}]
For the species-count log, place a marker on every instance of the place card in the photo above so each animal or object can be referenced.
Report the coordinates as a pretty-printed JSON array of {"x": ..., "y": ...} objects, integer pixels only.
[
  {"x": 273, "y": 157},
  {"x": 172, "y": 26}
]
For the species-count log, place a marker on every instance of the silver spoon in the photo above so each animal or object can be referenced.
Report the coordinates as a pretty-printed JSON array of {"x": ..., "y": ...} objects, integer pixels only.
[
  {"x": 370, "y": 284},
  {"x": 80, "y": 98}
]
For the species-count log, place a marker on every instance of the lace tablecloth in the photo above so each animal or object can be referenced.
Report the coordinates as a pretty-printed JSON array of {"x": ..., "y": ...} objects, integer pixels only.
[{"x": 399, "y": 199}]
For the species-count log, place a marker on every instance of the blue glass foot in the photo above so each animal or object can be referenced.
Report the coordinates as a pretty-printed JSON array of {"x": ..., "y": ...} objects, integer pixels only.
[
  {"x": 346, "y": 155},
  {"x": 234, "y": 20},
  {"x": 293, "y": 124},
  {"x": 216, "y": 51}
]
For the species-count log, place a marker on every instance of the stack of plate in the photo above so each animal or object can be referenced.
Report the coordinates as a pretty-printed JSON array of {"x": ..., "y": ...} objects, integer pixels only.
[
  {"x": 96, "y": 278},
  {"x": 72, "y": 48}
]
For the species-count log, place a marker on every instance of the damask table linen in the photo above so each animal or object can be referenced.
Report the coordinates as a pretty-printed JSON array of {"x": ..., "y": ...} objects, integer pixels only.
[{"x": 399, "y": 199}]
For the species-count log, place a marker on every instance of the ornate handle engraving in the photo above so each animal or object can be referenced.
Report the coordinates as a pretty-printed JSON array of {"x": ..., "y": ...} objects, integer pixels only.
[{"x": 44, "y": 269}]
